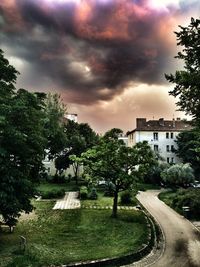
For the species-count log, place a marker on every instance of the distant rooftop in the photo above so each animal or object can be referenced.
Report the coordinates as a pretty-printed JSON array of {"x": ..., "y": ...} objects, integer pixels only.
[{"x": 161, "y": 125}]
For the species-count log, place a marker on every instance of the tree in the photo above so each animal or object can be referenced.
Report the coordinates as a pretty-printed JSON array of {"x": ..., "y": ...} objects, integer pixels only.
[
  {"x": 24, "y": 134},
  {"x": 178, "y": 175},
  {"x": 188, "y": 80},
  {"x": 55, "y": 125},
  {"x": 79, "y": 138},
  {"x": 153, "y": 175},
  {"x": 188, "y": 149},
  {"x": 113, "y": 162}
]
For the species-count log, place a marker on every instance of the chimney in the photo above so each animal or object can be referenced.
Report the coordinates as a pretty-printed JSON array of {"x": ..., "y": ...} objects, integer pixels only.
[
  {"x": 161, "y": 121},
  {"x": 140, "y": 122}
]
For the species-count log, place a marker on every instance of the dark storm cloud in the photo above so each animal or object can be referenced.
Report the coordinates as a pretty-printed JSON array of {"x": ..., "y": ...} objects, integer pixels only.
[{"x": 91, "y": 51}]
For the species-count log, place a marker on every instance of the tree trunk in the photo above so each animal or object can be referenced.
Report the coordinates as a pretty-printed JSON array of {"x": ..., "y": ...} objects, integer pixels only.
[
  {"x": 115, "y": 202},
  {"x": 75, "y": 167}
]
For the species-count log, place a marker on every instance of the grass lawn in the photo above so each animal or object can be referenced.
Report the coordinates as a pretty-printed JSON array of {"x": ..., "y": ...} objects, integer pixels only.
[
  {"x": 167, "y": 197},
  {"x": 63, "y": 236}
]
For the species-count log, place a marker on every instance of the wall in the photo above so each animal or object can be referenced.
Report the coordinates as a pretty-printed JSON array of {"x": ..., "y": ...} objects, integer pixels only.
[{"x": 162, "y": 142}]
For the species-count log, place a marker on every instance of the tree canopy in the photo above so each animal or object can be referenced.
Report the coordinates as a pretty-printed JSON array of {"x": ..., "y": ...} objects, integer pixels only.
[
  {"x": 110, "y": 160},
  {"x": 24, "y": 134},
  {"x": 79, "y": 138},
  {"x": 188, "y": 149},
  {"x": 178, "y": 175},
  {"x": 187, "y": 81}
]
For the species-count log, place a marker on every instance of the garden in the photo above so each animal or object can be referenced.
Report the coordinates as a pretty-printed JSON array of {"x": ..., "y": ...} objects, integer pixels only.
[{"x": 65, "y": 236}]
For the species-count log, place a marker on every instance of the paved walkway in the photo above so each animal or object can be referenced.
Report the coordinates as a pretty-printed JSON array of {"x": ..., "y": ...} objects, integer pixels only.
[
  {"x": 70, "y": 201},
  {"x": 182, "y": 245}
]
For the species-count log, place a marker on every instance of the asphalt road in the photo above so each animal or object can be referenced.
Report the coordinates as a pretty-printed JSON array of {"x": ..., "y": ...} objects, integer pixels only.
[{"x": 182, "y": 239}]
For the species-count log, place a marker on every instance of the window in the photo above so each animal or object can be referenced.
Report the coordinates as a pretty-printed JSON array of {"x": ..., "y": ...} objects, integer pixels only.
[
  {"x": 167, "y": 160},
  {"x": 167, "y": 135},
  {"x": 167, "y": 148},
  {"x": 172, "y": 135},
  {"x": 155, "y": 136},
  {"x": 172, "y": 160},
  {"x": 156, "y": 148},
  {"x": 172, "y": 148}
]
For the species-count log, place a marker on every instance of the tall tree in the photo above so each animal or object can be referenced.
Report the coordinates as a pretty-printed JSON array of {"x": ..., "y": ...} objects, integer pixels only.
[
  {"x": 112, "y": 161},
  {"x": 55, "y": 125},
  {"x": 187, "y": 81},
  {"x": 189, "y": 149},
  {"x": 79, "y": 138},
  {"x": 24, "y": 134}
]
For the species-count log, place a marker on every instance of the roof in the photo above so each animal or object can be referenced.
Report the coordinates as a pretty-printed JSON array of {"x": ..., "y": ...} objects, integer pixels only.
[{"x": 161, "y": 125}]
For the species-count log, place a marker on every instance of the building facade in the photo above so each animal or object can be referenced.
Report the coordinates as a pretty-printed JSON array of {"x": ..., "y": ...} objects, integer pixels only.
[{"x": 160, "y": 134}]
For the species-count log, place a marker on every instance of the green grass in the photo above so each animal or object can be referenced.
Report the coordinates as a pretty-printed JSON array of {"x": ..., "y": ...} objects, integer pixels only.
[
  {"x": 63, "y": 236},
  {"x": 167, "y": 197},
  {"x": 102, "y": 201}
]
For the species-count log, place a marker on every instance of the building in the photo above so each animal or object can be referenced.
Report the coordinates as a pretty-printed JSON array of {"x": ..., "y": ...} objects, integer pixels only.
[
  {"x": 160, "y": 134},
  {"x": 124, "y": 138}
]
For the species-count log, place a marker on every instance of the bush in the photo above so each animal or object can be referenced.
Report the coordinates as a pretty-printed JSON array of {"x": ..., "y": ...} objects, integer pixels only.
[
  {"x": 189, "y": 198},
  {"x": 83, "y": 192},
  {"x": 93, "y": 194},
  {"x": 126, "y": 197},
  {"x": 53, "y": 194}
]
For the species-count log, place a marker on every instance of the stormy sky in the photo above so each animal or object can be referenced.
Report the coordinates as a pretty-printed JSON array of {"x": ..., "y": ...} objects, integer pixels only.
[{"x": 107, "y": 58}]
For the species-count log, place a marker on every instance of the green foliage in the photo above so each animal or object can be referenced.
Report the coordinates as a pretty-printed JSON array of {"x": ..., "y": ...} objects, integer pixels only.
[
  {"x": 178, "y": 175},
  {"x": 83, "y": 192},
  {"x": 126, "y": 197},
  {"x": 79, "y": 137},
  {"x": 54, "y": 123},
  {"x": 56, "y": 238},
  {"x": 188, "y": 149},
  {"x": 115, "y": 163},
  {"x": 59, "y": 193},
  {"x": 184, "y": 198},
  {"x": 153, "y": 174},
  {"x": 24, "y": 136},
  {"x": 187, "y": 81},
  {"x": 93, "y": 193}
]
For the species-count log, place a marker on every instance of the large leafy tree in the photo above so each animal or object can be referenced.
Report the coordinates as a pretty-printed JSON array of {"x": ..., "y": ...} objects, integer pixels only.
[
  {"x": 110, "y": 160},
  {"x": 55, "y": 125},
  {"x": 187, "y": 81},
  {"x": 79, "y": 138},
  {"x": 24, "y": 134},
  {"x": 189, "y": 149}
]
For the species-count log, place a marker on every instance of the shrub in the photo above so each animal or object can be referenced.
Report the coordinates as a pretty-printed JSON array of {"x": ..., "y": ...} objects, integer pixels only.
[
  {"x": 93, "y": 194},
  {"x": 189, "y": 198},
  {"x": 83, "y": 192},
  {"x": 126, "y": 197},
  {"x": 53, "y": 194}
]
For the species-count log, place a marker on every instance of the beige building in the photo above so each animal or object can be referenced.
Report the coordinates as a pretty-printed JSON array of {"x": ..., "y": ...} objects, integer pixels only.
[{"x": 160, "y": 134}]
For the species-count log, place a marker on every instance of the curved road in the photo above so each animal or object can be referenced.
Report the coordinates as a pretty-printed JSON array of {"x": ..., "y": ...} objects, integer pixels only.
[{"x": 182, "y": 239}]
